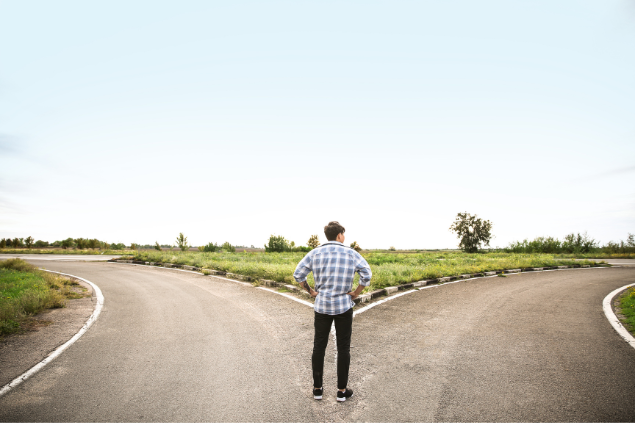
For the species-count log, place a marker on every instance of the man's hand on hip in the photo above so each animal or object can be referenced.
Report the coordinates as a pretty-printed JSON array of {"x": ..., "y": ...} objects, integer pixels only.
[{"x": 355, "y": 294}]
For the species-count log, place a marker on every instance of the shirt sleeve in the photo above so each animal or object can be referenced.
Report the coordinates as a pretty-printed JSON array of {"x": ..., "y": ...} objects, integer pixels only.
[
  {"x": 303, "y": 269},
  {"x": 362, "y": 267}
]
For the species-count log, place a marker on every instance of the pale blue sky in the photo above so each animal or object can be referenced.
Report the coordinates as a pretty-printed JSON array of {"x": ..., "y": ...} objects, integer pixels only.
[{"x": 132, "y": 121}]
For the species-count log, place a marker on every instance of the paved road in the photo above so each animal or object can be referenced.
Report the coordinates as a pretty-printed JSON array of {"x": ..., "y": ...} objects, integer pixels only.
[
  {"x": 175, "y": 346},
  {"x": 59, "y": 257}
]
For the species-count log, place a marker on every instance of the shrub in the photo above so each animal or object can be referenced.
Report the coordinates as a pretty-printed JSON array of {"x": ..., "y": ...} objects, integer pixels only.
[
  {"x": 355, "y": 246},
  {"x": 29, "y": 242},
  {"x": 117, "y": 246},
  {"x": 181, "y": 242},
  {"x": 227, "y": 247},
  {"x": 157, "y": 246},
  {"x": 314, "y": 242},
  {"x": 18, "y": 242},
  {"x": 3, "y": 243},
  {"x": 41, "y": 244},
  {"x": 68, "y": 243},
  {"x": 210, "y": 248},
  {"x": 472, "y": 232},
  {"x": 392, "y": 249},
  {"x": 277, "y": 244}
]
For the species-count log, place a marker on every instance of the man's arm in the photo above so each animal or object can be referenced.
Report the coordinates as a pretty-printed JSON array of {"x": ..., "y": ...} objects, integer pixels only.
[
  {"x": 361, "y": 267},
  {"x": 300, "y": 274},
  {"x": 308, "y": 289},
  {"x": 358, "y": 291}
]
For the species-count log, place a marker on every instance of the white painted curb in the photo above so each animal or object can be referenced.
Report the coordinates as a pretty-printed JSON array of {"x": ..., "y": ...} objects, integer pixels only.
[
  {"x": 613, "y": 320},
  {"x": 52, "y": 356}
]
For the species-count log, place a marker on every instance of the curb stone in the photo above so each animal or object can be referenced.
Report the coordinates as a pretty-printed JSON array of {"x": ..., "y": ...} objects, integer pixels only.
[{"x": 362, "y": 298}]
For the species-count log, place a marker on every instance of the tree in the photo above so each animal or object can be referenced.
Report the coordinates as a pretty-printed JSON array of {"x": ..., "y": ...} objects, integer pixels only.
[
  {"x": 181, "y": 241},
  {"x": 3, "y": 243},
  {"x": 277, "y": 244},
  {"x": 29, "y": 242},
  {"x": 157, "y": 246},
  {"x": 210, "y": 248},
  {"x": 314, "y": 242},
  {"x": 355, "y": 246},
  {"x": 134, "y": 246},
  {"x": 17, "y": 242},
  {"x": 68, "y": 243},
  {"x": 227, "y": 247},
  {"x": 472, "y": 232}
]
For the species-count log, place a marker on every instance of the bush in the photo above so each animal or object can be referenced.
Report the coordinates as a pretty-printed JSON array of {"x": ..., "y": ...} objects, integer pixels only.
[
  {"x": 18, "y": 242},
  {"x": 157, "y": 246},
  {"x": 472, "y": 232},
  {"x": 355, "y": 246},
  {"x": 210, "y": 248},
  {"x": 227, "y": 247},
  {"x": 41, "y": 244},
  {"x": 277, "y": 244},
  {"x": 29, "y": 242},
  {"x": 3, "y": 243},
  {"x": 117, "y": 246},
  {"x": 68, "y": 243}
]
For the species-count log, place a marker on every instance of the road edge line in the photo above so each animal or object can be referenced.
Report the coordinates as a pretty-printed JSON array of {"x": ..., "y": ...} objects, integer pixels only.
[
  {"x": 59, "y": 350},
  {"x": 612, "y": 318}
]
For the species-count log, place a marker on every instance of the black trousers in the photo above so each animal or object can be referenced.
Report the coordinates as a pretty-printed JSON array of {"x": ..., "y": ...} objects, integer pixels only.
[{"x": 343, "y": 331}]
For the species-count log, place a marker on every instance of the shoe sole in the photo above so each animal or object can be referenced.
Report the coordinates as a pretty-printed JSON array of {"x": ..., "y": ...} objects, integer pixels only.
[
  {"x": 317, "y": 398},
  {"x": 343, "y": 398}
]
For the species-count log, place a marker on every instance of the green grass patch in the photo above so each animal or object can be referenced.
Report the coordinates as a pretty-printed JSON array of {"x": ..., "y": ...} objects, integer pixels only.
[
  {"x": 26, "y": 291},
  {"x": 389, "y": 269},
  {"x": 627, "y": 308}
]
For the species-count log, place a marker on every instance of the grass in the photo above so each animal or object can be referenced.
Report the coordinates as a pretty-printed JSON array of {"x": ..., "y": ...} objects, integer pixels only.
[
  {"x": 86, "y": 251},
  {"x": 389, "y": 269},
  {"x": 627, "y": 309},
  {"x": 26, "y": 291}
]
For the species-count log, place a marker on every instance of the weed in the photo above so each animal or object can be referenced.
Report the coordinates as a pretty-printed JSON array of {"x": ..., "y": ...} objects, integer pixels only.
[{"x": 627, "y": 309}]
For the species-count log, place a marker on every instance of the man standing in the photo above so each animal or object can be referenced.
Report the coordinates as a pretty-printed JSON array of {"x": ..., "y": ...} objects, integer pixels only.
[{"x": 333, "y": 266}]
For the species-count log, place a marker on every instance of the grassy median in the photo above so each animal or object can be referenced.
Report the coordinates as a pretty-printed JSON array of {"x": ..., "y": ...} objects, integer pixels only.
[
  {"x": 389, "y": 269},
  {"x": 626, "y": 307},
  {"x": 26, "y": 291}
]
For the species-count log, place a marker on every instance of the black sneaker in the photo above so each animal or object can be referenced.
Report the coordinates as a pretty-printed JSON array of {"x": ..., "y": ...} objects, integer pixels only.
[
  {"x": 317, "y": 393},
  {"x": 341, "y": 396}
]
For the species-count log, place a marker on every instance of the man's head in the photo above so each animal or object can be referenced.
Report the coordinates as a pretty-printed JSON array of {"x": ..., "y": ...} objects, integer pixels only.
[{"x": 334, "y": 231}]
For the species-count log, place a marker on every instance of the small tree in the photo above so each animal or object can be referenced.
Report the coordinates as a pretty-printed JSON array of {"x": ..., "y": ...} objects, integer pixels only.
[
  {"x": 392, "y": 249},
  {"x": 227, "y": 247},
  {"x": 134, "y": 246},
  {"x": 355, "y": 246},
  {"x": 314, "y": 242},
  {"x": 18, "y": 242},
  {"x": 29, "y": 242},
  {"x": 277, "y": 244},
  {"x": 209, "y": 248},
  {"x": 157, "y": 246},
  {"x": 181, "y": 242},
  {"x": 472, "y": 232},
  {"x": 3, "y": 243}
]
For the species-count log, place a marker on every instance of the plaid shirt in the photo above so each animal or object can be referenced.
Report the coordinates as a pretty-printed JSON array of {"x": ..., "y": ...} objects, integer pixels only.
[{"x": 333, "y": 266}]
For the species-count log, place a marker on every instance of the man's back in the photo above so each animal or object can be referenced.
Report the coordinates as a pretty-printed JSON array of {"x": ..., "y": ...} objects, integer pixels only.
[{"x": 333, "y": 266}]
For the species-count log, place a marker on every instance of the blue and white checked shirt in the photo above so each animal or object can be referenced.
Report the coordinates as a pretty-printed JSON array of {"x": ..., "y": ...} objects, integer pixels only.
[{"x": 333, "y": 266}]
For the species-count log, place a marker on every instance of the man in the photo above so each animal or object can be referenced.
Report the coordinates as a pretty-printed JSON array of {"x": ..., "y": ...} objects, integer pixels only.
[{"x": 333, "y": 266}]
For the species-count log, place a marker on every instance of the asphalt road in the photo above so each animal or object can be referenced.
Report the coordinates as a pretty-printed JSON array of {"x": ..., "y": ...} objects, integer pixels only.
[{"x": 176, "y": 346}]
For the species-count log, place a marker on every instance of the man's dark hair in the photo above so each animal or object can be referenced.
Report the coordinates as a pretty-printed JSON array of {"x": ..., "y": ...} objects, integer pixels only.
[{"x": 332, "y": 230}]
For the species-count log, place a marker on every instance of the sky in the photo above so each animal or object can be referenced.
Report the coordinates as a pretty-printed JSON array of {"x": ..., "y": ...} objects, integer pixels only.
[{"x": 133, "y": 121}]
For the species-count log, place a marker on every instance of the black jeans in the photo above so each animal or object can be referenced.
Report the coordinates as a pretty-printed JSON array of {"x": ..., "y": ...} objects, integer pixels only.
[{"x": 343, "y": 330}]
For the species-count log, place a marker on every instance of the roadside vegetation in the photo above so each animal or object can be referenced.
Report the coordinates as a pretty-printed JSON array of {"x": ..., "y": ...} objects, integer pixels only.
[
  {"x": 576, "y": 245},
  {"x": 389, "y": 269},
  {"x": 626, "y": 307},
  {"x": 26, "y": 291}
]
